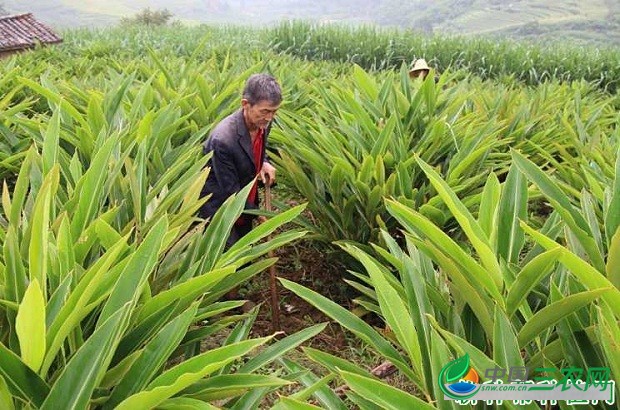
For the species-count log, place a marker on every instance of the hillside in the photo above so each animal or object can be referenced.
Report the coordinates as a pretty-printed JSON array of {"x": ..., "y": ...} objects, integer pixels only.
[{"x": 595, "y": 21}]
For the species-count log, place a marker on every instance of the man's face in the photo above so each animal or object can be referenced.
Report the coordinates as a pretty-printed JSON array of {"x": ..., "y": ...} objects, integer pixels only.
[
  {"x": 259, "y": 115},
  {"x": 419, "y": 74}
]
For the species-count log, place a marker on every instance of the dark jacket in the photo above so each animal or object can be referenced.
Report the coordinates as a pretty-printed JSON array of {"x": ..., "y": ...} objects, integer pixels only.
[{"x": 232, "y": 164}]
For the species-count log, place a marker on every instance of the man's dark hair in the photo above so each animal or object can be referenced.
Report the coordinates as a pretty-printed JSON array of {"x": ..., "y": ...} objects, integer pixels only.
[{"x": 262, "y": 87}]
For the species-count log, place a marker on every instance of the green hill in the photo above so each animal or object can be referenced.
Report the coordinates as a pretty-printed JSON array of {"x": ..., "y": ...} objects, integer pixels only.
[{"x": 594, "y": 22}]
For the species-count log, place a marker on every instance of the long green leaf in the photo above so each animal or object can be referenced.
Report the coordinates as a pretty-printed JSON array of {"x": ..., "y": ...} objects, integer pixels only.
[
  {"x": 30, "y": 326},
  {"x": 231, "y": 385},
  {"x": 551, "y": 314},
  {"x": 188, "y": 373},
  {"x": 281, "y": 347},
  {"x": 470, "y": 226},
  {"x": 75, "y": 385},
  {"x": 476, "y": 275},
  {"x": 22, "y": 381},
  {"x": 506, "y": 350},
  {"x": 6, "y": 399},
  {"x": 512, "y": 209},
  {"x": 586, "y": 273},
  {"x": 382, "y": 394},
  {"x": 529, "y": 277},
  {"x": 324, "y": 394},
  {"x": 132, "y": 279},
  {"x": 39, "y": 242},
  {"x": 154, "y": 356},
  {"x": 612, "y": 217},
  {"x": 396, "y": 315},
  {"x": 351, "y": 322},
  {"x": 561, "y": 203},
  {"x": 612, "y": 269},
  {"x": 77, "y": 305},
  {"x": 287, "y": 403}
]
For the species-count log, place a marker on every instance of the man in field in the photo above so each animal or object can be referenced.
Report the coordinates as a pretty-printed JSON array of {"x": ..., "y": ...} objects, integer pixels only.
[{"x": 238, "y": 146}]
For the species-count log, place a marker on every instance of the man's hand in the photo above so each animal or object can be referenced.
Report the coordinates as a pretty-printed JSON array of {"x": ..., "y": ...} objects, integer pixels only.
[
  {"x": 261, "y": 219},
  {"x": 268, "y": 174}
]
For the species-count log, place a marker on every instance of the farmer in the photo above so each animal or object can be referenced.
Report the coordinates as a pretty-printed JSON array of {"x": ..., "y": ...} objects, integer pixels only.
[
  {"x": 238, "y": 147},
  {"x": 419, "y": 69}
]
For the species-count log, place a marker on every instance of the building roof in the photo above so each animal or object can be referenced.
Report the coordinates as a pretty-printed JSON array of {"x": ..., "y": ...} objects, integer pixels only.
[{"x": 24, "y": 31}]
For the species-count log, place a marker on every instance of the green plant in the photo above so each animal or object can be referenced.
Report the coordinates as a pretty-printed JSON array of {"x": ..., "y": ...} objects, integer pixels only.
[
  {"x": 503, "y": 307},
  {"x": 109, "y": 283}
]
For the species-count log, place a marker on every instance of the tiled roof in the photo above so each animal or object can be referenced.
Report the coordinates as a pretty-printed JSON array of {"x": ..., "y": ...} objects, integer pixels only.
[{"x": 24, "y": 31}]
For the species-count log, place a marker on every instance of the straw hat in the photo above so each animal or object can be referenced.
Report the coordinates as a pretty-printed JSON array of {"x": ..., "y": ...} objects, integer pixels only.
[{"x": 418, "y": 65}]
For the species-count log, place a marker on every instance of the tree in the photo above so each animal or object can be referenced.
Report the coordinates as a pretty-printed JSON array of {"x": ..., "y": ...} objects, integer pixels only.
[{"x": 148, "y": 17}]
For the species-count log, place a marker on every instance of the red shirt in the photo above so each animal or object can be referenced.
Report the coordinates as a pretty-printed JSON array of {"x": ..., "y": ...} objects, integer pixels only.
[{"x": 257, "y": 152}]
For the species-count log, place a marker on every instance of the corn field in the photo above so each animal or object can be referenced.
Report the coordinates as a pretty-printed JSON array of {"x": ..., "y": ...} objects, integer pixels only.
[
  {"x": 374, "y": 48},
  {"x": 480, "y": 215}
]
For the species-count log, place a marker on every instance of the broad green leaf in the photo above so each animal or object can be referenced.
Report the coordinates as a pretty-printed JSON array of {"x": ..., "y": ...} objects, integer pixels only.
[
  {"x": 187, "y": 373},
  {"x": 186, "y": 292},
  {"x": 231, "y": 385},
  {"x": 21, "y": 188},
  {"x": 396, "y": 314},
  {"x": 75, "y": 385},
  {"x": 185, "y": 403},
  {"x": 353, "y": 323},
  {"x": 22, "y": 381},
  {"x": 115, "y": 374},
  {"x": 474, "y": 233},
  {"x": 561, "y": 203},
  {"x": 135, "y": 274},
  {"x": 479, "y": 301},
  {"x": 153, "y": 357},
  {"x": 489, "y": 202},
  {"x": 50, "y": 143},
  {"x": 65, "y": 106},
  {"x": 287, "y": 403},
  {"x": 382, "y": 394},
  {"x": 506, "y": 350},
  {"x": 590, "y": 277},
  {"x": 16, "y": 278},
  {"x": 219, "y": 228},
  {"x": 612, "y": 269},
  {"x": 6, "y": 399},
  {"x": 612, "y": 217},
  {"x": 476, "y": 275},
  {"x": 240, "y": 332},
  {"x": 88, "y": 195},
  {"x": 137, "y": 336},
  {"x": 440, "y": 355},
  {"x": 30, "y": 326},
  {"x": 77, "y": 305},
  {"x": 552, "y": 313},
  {"x": 39, "y": 242},
  {"x": 64, "y": 243},
  {"x": 478, "y": 359},
  {"x": 608, "y": 333},
  {"x": 279, "y": 348},
  {"x": 334, "y": 363},
  {"x": 261, "y": 231},
  {"x": 324, "y": 394},
  {"x": 512, "y": 209},
  {"x": 529, "y": 277}
]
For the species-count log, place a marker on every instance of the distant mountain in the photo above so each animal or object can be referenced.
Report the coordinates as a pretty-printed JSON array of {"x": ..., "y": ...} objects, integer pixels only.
[{"x": 593, "y": 21}]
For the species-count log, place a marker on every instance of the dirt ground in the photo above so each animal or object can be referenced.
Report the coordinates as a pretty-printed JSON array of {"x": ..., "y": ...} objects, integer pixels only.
[{"x": 315, "y": 268}]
